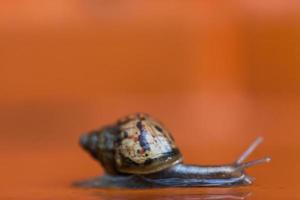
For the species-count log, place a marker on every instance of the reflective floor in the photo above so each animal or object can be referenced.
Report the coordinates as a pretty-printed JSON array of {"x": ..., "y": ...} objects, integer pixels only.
[{"x": 42, "y": 156}]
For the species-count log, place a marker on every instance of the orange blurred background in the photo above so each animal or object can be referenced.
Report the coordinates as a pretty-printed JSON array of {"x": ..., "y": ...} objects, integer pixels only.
[{"x": 217, "y": 73}]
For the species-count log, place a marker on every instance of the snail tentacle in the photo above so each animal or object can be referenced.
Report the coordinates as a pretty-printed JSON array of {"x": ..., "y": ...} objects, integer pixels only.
[
  {"x": 250, "y": 149},
  {"x": 240, "y": 161}
]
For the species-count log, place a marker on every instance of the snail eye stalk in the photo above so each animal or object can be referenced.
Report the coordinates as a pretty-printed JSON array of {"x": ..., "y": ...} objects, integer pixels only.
[{"x": 251, "y": 148}]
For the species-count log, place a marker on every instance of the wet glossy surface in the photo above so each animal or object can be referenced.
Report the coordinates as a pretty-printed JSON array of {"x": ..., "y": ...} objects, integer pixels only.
[
  {"x": 43, "y": 163},
  {"x": 216, "y": 73}
]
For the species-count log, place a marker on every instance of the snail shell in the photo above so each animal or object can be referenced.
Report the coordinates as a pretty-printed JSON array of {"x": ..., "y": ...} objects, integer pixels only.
[{"x": 136, "y": 144}]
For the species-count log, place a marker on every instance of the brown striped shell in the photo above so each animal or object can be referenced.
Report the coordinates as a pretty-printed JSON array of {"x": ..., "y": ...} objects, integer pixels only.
[{"x": 136, "y": 144}]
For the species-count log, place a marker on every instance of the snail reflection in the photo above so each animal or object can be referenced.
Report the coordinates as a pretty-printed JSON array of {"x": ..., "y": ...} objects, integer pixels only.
[
  {"x": 182, "y": 195},
  {"x": 139, "y": 152}
]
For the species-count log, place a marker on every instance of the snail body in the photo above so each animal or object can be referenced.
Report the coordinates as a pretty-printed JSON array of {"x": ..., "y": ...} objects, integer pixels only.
[{"x": 139, "y": 152}]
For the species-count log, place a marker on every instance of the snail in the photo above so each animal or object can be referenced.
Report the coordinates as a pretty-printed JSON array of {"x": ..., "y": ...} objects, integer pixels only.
[{"x": 139, "y": 152}]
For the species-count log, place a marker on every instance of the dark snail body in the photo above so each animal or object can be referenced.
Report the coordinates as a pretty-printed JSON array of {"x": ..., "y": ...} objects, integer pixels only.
[{"x": 138, "y": 152}]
